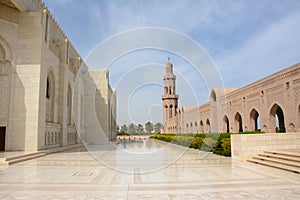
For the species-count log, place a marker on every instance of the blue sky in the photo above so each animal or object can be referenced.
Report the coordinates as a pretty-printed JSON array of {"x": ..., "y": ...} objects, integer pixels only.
[{"x": 247, "y": 40}]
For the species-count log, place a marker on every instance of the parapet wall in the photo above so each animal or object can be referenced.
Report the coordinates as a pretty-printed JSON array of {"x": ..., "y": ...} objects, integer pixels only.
[{"x": 244, "y": 146}]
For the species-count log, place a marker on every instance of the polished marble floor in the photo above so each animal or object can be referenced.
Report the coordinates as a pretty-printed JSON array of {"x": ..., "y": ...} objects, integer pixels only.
[{"x": 143, "y": 170}]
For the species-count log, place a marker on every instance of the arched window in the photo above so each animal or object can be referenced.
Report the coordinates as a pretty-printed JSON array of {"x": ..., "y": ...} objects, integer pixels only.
[
  {"x": 166, "y": 90},
  {"x": 170, "y": 111},
  {"x": 50, "y": 97},
  {"x": 254, "y": 119},
  {"x": 208, "y": 126},
  {"x": 48, "y": 88},
  {"x": 201, "y": 127},
  {"x": 239, "y": 122},
  {"x": 213, "y": 96},
  {"x": 277, "y": 114},
  {"x": 69, "y": 105},
  {"x": 166, "y": 112},
  {"x": 226, "y": 124}
]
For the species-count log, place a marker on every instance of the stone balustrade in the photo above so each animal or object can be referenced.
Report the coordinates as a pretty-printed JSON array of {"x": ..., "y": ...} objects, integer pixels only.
[{"x": 52, "y": 135}]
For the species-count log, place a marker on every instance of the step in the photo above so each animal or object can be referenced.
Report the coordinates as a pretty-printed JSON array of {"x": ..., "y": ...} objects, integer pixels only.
[
  {"x": 278, "y": 160},
  {"x": 275, "y": 165},
  {"x": 32, "y": 155},
  {"x": 25, "y": 157},
  {"x": 21, "y": 156},
  {"x": 285, "y": 157},
  {"x": 281, "y": 152}
]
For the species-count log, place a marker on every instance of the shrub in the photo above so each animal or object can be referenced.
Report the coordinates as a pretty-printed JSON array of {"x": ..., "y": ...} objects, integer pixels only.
[
  {"x": 212, "y": 142},
  {"x": 183, "y": 140},
  {"x": 196, "y": 143}
]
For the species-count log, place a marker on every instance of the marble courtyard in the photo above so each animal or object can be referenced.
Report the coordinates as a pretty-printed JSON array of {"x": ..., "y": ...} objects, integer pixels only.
[{"x": 77, "y": 174}]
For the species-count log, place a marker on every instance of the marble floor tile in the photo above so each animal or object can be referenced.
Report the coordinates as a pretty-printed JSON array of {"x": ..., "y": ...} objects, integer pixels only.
[{"x": 156, "y": 171}]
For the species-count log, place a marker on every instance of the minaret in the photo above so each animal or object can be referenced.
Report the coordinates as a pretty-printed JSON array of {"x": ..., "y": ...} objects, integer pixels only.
[{"x": 170, "y": 99}]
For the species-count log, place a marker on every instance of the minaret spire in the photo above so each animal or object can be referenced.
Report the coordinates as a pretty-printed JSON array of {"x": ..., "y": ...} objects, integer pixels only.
[{"x": 170, "y": 99}]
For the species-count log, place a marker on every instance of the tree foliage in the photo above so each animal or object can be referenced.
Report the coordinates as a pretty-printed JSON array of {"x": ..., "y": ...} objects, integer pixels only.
[
  {"x": 157, "y": 127},
  {"x": 148, "y": 127}
]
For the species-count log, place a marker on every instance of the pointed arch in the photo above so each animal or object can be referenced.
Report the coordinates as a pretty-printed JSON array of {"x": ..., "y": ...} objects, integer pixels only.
[
  {"x": 201, "y": 127},
  {"x": 238, "y": 122},
  {"x": 166, "y": 90},
  {"x": 7, "y": 49},
  {"x": 291, "y": 127},
  {"x": 213, "y": 96},
  {"x": 195, "y": 127},
  {"x": 254, "y": 120},
  {"x": 187, "y": 127},
  {"x": 277, "y": 115},
  {"x": 207, "y": 125},
  {"x": 50, "y": 97},
  {"x": 226, "y": 124},
  {"x": 69, "y": 105}
]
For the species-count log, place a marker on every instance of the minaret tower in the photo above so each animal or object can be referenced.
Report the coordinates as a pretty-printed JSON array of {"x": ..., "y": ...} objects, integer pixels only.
[{"x": 170, "y": 99}]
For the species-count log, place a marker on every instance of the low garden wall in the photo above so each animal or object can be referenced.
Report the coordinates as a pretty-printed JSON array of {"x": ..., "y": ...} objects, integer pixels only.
[{"x": 248, "y": 145}]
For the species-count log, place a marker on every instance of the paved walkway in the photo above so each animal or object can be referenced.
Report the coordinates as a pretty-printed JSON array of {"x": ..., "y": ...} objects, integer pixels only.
[{"x": 172, "y": 173}]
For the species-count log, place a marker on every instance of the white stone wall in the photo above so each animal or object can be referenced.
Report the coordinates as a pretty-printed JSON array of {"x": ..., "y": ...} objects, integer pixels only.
[
  {"x": 32, "y": 47},
  {"x": 99, "y": 97},
  {"x": 244, "y": 146}
]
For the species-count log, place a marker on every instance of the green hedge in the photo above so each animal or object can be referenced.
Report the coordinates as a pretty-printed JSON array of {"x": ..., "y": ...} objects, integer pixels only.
[{"x": 218, "y": 143}]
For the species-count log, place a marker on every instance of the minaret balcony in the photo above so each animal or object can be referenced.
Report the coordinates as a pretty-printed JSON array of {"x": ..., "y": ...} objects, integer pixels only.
[{"x": 169, "y": 96}]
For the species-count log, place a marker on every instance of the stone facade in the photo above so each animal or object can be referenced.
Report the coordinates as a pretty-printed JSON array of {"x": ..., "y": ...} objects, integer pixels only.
[
  {"x": 271, "y": 104},
  {"x": 43, "y": 82}
]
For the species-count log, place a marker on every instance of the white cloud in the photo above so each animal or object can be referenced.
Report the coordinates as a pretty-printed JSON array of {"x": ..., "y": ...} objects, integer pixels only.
[
  {"x": 274, "y": 48},
  {"x": 248, "y": 40}
]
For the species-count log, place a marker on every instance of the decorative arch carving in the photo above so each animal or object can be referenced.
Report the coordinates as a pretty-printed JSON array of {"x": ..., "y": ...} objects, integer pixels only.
[{"x": 7, "y": 49}]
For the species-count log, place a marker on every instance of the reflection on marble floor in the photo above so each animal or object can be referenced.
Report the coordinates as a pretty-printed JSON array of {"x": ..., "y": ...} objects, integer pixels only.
[{"x": 156, "y": 171}]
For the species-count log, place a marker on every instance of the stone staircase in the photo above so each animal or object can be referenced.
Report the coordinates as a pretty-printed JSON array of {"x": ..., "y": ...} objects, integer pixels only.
[
  {"x": 23, "y": 156},
  {"x": 281, "y": 159},
  {"x": 20, "y": 158}
]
